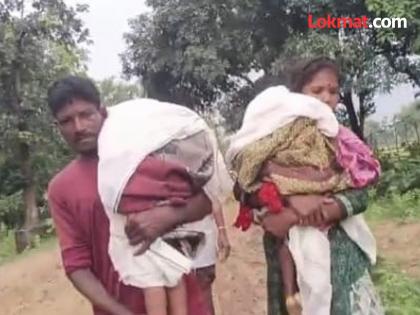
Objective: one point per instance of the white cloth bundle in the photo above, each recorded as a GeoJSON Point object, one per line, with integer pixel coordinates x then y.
{"type": "Point", "coordinates": [133, 130]}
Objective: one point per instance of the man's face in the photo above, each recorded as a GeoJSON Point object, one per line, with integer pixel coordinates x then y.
{"type": "Point", "coordinates": [80, 123]}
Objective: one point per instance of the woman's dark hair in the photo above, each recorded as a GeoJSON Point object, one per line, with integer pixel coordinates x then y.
{"type": "Point", "coordinates": [304, 71]}
{"type": "Point", "coordinates": [64, 91]}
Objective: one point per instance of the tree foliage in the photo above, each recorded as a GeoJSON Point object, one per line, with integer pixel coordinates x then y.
{"type": "Point", "coordinates": [114, 91]}
{"type": "Point", "coordinates": [201, 52]}
{"type": "Point", "coordinates": [40, 41]}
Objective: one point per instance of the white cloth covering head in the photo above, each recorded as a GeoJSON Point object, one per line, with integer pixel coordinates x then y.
{"type": "Point", "coordinates": [274, 108]}
{"type": "Point", "coordinates": [136, 128]}
{"type": "Point", "coordinates": [133, 130]}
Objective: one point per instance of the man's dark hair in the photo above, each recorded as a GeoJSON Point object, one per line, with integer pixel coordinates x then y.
{"type": "Point", "coordinates": [64, 91]}
{"type": "Point", "coordinates": [304, 71]}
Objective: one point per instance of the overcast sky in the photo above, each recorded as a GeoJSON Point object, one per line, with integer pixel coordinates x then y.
{"type": "Point", "coordinates": [107, 22]}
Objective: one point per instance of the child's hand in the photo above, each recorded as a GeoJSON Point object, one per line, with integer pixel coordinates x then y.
{"type": "Point", "coordinates": [223, 244]}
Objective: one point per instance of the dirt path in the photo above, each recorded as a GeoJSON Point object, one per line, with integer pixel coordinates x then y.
{"type": "Point", "coordinates": [35, 285]}
{"type": "Point", "coordinates": [400, 243]}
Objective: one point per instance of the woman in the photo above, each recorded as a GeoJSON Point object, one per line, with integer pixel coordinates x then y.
{"type": "Point", "coordinates": [353, 290]}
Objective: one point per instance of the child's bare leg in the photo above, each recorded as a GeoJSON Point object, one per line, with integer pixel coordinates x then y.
{"type": "Point", "coordinates": [288, 272]}
{"type": "Point", "coordinates": [177, 296]}
{"type": "Point", "coordinates": [156, 301]}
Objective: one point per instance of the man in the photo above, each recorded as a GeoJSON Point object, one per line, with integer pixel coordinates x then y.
{"type": "Point", "coordinates": [81, 223]}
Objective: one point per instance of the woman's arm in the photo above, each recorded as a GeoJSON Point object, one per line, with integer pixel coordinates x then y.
{"type": "Point", "coordinates": [353, 201]}
{"type": "Point", "coordinates": [318, 211]}
{"type": "Point", "coordinates": [343, 205]}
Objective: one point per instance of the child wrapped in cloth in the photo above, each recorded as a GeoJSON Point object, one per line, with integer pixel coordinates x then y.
{"type": "Point", "coordinates": [153, 154]}
{"type": "Point", "coordinates": [291, 144]}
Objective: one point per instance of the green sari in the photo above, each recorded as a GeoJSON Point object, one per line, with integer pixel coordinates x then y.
{"type": "Point", "coordinates": [353, 290]}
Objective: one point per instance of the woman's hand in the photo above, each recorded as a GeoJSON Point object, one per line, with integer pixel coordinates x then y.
{"type": "Point", "coordinates": [332, 212]}
{"type": "Point", "coordinates": [316, 210]}
{"type": "Point", "coordinates": [328, 212]}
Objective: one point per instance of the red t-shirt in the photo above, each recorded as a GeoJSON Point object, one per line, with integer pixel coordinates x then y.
{"type": "Point", "coordinates": [83, 231]}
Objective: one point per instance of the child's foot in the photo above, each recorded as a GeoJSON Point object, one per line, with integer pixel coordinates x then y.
{"type": "Point", "coordinates": [293, 304]}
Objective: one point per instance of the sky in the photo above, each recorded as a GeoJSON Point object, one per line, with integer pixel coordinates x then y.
{"type": "Point", "coordinates": [107, 21]}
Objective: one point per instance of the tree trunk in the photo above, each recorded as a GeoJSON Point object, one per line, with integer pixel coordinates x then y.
{"type": "Point", "coordinates": [31, 223]}
{"type": "Point", "coordinates": [416, 128]}
{"type": "Point", "coordinates": [26, 236]}
{"type": "Point", "coordinates": [354, 123]}
{"type": "Point", "coordinates": [362, 116]}
{"type": "Point", "coordinates": [396, 141]}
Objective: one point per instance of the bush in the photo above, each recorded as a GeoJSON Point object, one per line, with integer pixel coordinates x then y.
{"type": "Point", "coordinates": [11, 210]}
{"type": "Point", "coordinates": [399, 293]}
{"type": "Point", "coordinates": [404, 207]}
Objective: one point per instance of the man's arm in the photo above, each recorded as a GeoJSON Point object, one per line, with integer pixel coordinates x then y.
{"type": "Point", "coordinates": [90, 287]}
{"type": "Point", "coordinates": [76, 257]}
{"type": "Point", "coordinates": [144, 227]}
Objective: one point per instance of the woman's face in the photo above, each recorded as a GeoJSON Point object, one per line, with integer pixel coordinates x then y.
{"type": "Point", "coordinates": [324, 86]}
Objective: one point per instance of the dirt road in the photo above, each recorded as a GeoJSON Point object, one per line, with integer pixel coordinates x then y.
{"type": "Point", "coordinates": [35, 285]}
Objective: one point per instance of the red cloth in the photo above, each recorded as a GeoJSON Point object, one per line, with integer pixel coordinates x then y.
{"type": "Point", "coordinates": [83, 232]}
{"type": "Point", "coordinates": [156, 180]}
{"type": "Point", "coordinates": [268, 196]}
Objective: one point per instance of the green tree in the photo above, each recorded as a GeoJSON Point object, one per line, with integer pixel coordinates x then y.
{"type": "Point", "coordinates": [364, 73]}
{"type": "Point", "coordinates": [195, 51]}
{"type": "Point", "coordinates": [114, 91]}
{"type": "Point", "coordinates": [199, 52]}
{"type": "Point", "coordinates": [399, 45]}
{"type": "Point", "coordinates": [38, 44]}
{"type": "Point", "coordinates": [410, 116]}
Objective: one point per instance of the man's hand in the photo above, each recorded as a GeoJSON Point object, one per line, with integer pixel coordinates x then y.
{"type": "Point", "coordinates": [144, 228]}
{"type": "Point", "coordinates": [89, 286]}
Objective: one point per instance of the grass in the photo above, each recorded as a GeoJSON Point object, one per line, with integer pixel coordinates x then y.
{"type": "Point", "coordinates": [399, 207]}
{"type": "Point", "coordinates": [399, 293]}
{"type": "Point", "coordinates": [7, 247]}
{"type": "Point", "coordinates": [8, 252]}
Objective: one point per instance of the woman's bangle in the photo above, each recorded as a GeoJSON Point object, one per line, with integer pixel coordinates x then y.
{"type": "Point", "coordinates": [222, 227]}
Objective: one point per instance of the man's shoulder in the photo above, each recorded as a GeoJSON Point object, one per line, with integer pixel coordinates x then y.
{"type": "Point", "coordinates": [63, 178]}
